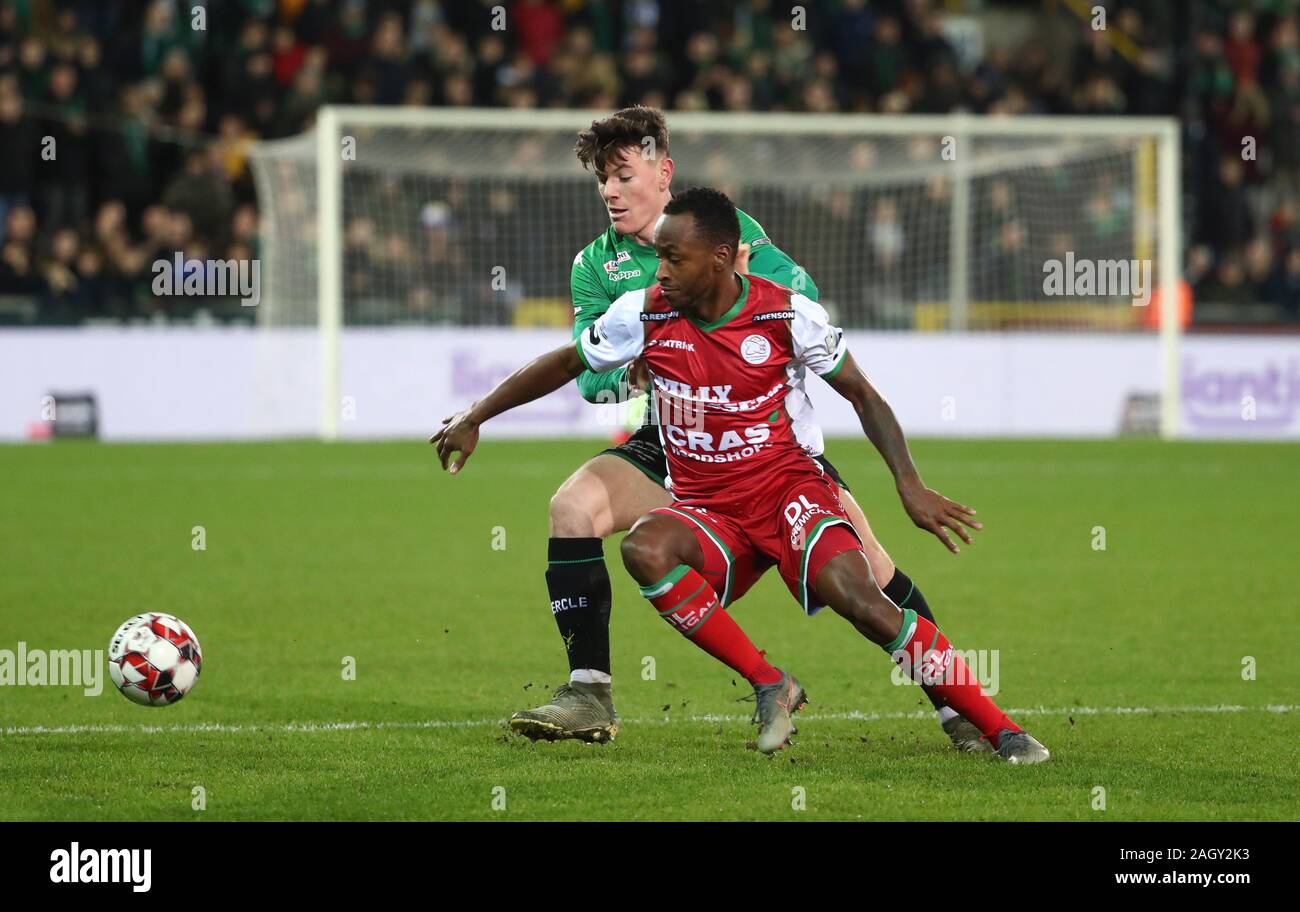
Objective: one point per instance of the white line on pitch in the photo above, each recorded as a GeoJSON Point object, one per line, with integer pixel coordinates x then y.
{"type": "Point", "coordinates": [310, 727]}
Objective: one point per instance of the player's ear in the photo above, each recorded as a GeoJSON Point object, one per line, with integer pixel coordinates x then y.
{"type": "Point", "coordinates": [724, 256]}
{"type": "Point", "coordinates": [666, 171]}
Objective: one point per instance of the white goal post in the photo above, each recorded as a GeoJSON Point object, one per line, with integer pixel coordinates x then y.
{"type": "Point", "coordinates": [948, 223]}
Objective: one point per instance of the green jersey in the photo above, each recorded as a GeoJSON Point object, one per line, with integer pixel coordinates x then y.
{"type": "Point", "coordinates": [614, 264]}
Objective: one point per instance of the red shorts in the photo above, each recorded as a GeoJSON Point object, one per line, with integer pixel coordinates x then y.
{"type": "Point", "coordinates": [798, 526]}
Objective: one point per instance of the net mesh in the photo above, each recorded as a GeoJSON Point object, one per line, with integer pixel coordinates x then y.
{"type": "Point", "coordinates": [475, 226]}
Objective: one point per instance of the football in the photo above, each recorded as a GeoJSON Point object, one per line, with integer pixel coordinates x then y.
{"type": "Point", "coordinates": [154, 659]}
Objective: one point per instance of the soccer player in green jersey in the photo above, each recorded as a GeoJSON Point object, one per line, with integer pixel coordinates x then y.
{"type": "Point", "coordinates": [629, 154]}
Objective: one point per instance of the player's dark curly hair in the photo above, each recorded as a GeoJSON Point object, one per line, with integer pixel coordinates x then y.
{"type": "Point", "coordinates": [715, 214]}
{"type": "Point", "coordinates": [626, 128]}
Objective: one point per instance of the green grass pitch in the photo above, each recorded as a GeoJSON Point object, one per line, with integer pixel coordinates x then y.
{"type": "Point", "coordinates": [1130, 658]}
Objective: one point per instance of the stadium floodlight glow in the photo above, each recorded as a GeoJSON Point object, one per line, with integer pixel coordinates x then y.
{"type": "Point", "coordinates": [945, 223]}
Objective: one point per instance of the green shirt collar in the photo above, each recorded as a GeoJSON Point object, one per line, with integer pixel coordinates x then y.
{"type": "Point", "coordinates": [730, 314]}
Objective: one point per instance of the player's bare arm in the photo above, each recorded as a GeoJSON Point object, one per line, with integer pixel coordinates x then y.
{"type": "Point", "coordinates": [929, 509]}
{"type": "Point", "coordinates": [542, 375]}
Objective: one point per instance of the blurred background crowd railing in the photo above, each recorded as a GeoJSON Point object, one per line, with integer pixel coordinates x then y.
{"type": "Point", "coordinates": [152, 119]}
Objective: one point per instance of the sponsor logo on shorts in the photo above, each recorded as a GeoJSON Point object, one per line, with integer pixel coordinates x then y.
{"type": "Point", "coordinates": [798, 513]}
{"type": "Point", "coordinates": [755, 349]}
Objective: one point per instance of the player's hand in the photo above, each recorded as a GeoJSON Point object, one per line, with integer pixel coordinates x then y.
{"type": "Point", "coordinates": [638, 375]}
{"type": "Point", "coordinates": [742, 259]}
{"type": "Point", "coordinates": [458, 435]}
{"type": "Point", "coordinates": [936, 514]}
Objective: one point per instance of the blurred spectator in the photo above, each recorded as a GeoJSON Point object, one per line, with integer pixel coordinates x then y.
{"type": "Point", "coordinates": [18, 274]}
{"type": "Point", "coordinates": [1241, 50]}
{"type": "Point", "coordinates": [150, 122]}
{"type": "Point", "coordinates": [1283, 288]}
{"type": "Point", "coordinates": [1229, 284]}
{"type": "Point", "coordinates": [1226, 219]}
{"type": "Point", "coordinates": [18, 152]}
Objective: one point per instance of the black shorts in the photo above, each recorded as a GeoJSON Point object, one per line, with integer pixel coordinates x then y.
{"type": "Point", "coordinates": [644, 451]}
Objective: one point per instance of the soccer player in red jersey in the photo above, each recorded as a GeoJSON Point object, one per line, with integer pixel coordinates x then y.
{"type": "Point", "coordinates": [721, 349]}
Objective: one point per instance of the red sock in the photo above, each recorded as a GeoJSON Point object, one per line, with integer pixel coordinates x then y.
{"type": "Point", "coordinates": [929, 659]}
{"type": "Point", "coordinates": [687, 601]}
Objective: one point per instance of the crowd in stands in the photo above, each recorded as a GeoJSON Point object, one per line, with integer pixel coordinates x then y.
{"type": "Point", "coordinates": [150, 111]}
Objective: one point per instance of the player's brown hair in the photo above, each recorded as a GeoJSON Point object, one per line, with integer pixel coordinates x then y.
{"type": "Point", "coordinates": [626, 128]}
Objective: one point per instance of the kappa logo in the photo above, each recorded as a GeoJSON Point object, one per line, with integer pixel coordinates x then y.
{"type": "Point", "coordinates": [755, 349]}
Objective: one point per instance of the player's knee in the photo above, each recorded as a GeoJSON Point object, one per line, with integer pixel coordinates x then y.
{"type": "Point", "coordinates": [636, 554]}
{"type": "Point", "coordinates": [645, 556]}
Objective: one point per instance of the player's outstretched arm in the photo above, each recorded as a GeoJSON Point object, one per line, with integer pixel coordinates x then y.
{"type": "Point", "coordinates": [534, 380]}
{"type": "Point", "coordinates": [929, 509]}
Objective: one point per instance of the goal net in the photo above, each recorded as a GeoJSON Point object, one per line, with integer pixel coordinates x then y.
{"type": "Point", "coordinates": [465, 217]}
